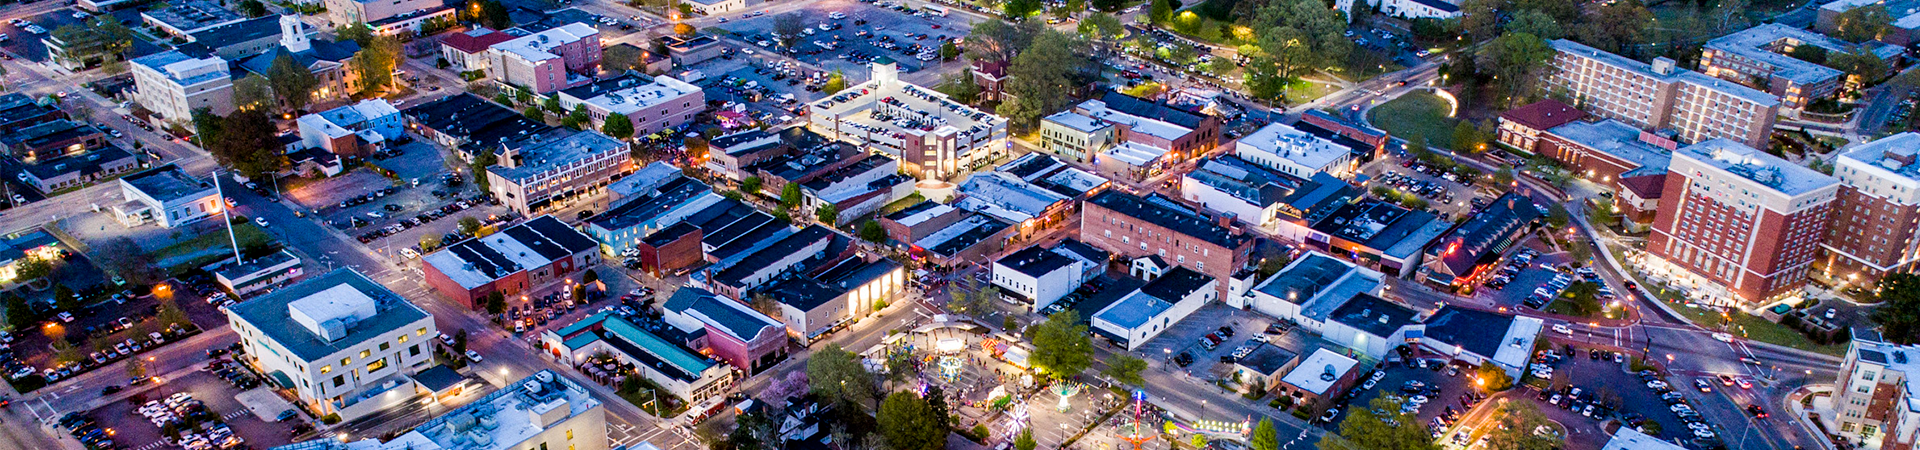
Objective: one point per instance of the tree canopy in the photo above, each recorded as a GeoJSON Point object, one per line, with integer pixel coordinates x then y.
{"type": "Point", "coordinates": [1379, 426]}
{"type": "Point", "coordinates": [1054, 64]}
{"type": "Point", "coordinates": [838, 374]}
{"type": "Point", "coordinates": [1061, 344]}
{"type": "Point", "coordinates": [291, 82]}
{"type": "Point", "coordinates": [1899, 311]}
{"type": "Point", "coordinates": [909, 422]}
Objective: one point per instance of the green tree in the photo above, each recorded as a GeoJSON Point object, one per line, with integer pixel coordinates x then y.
{"type": "Point", "coordinates": [972, 300]}
{"type": "Point", "coordinates": [1809, 53]}
{"type": "Point", "coordinates": [787, 28]}
{"type": "Point", "coordinates": [1536, 23]}
{"type": "Point", "coordinates": [469, 225]}
{"type": "Point", "coordinates": [790, 196]}
{"type": "Point", "coordinates": [1504, 176]}
{"type": "Point", "coordinates": [1102, 26]}
{"type": "Point", "coordinates": [1516, 430]}
{"type": "Point", "coordinates": [428, 242]}
{"type": "Point", "coordinates": [533, 113]}
{"type": "Point", "coordinates": [1858, 61]}
{"type": "Point", "coordinates": [839, 375]}
{"type": "Point", "coordinates": [1264, 437]}
{"type": "Point", "coordinates": [620, 58]}
{"type": "Point", "coordinates": [1025, 440]}
{"type": "Point", "coordinates": [291, 82]}
{"type": "Point", "coordinates": [835, 83]}
{"type": "Point", "coordinates": [247, 143]}
{"type": "Point", "coordinates": [252, 91]}
{"type": "Point", "coordinates": [1557, 217]}
{"type": "Point", "coordinates": [1126, 369]}
{"type": "Point", "coordinates": [1386, 429]}
{"type": "Point", "coordinates": [18, 315]}
{"type": "Point", "coordinates": [907, 422]}
{"type": "Point", "coordinates": [997, 40]}
{"type": "Point", "coordinates": [1515, 60]}
{"type": "Point", "coordinates": [496, 303]}
{"type": "Point", "coordinates": [871, 231]}
{"type": "Point", "coordinates": [253, 8]}
{"type": "Point", "coordinates": [1899, 311]}
{"type": "Point", "coordinates": [32, 269]}
{"type": "Point", "coordinates": [751, 184]}
{"type": "Point", "coordinates": [1493, 378]}
{"type": "Point", "coordinates": [1161, 11]}
{"type": "Point", "coordinates": [121, 256]}
{"type": "Point", "coordinates": [1021, 9]}
{"type": "Point", "coordinates": [65, 299]}
{"type": "Point", "coordinates": [1061, 345]}
{"type": "Point", "coordinates": [828, 214]}
{"type": "Point", "coordinates": [949, 51]}
{"type": "Point", "coordinates": [579, 118]}
{"type": "Point", "coordinates": [495, 15]}
{"type": "Point", "coordinates": [618, 126]}
{"type": "Point", "coordinates": [959, 87]}
{"type": "Point", "coordinates": [1862, 24]}
{"type": "Point", "coordinates": [1467, 139]}
{"type": "Point", "coordinates": [1616, 26]}
{"type": "Point", "coordinates": [1039, 75]}
{"type": "Point", "coordinates": [1108, 6]}
{"type": "Point", "coordinates": [136, 368]}
{"type": "Point", "coordinates": [376, 62]}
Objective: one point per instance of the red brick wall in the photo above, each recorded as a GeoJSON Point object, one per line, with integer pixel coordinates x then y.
{"type": "Point", "coordinates": [1868, 228]}
{"type": "Point", "coordinates": [674, 255]}
{"type": "Point", "coordinates": [446, 287]}
{"type": "Point", "coordinates": [1127, 234]}
{"type": "Point", "coordinates": [1713, 247]}
{"type": "Point", "coordinates": [1582, 159]}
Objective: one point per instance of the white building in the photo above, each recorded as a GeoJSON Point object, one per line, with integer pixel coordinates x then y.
{"type": "Point", "coordinates": [1309, 289]}
{"type": "Point", "coordinates": [1038, 276]}
{"type": "Point", "coordinates": [355, 130]}
{"type": "Point", "coordinates": [664, 103]}
{"type": "Point", "coordinates": [1293, 152]}
{"type": "Point", "coordinates": [172, 84]}
{"type": "Point", "coordinates": [932, 135]}
{"type": "Point", "coordinates": [712, 7]}
{"type": "Point", "coordinates": [1627, 438]}
{"type": "Point", "coordinates": [1408, 9]}
{"type": "Point", "coordinates": [258, 273]}
{"type": "Point", "coordinates": [343, 343]}
{"type": "Point", "coordinates": [1480, 337]}
{"type": "Point", "coordinates": [165, 195]}
{"type": "Point", "coordinates": [1150, 310]}
{"type": "Point", "coordinates": [1370, 325]}
{"type": "Point", "coordinates": [542, 411]}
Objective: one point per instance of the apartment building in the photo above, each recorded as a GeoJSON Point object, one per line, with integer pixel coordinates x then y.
{"type": "Point", "coordinates": [1758, 56]}
{"type": "Point", "coordinates": [1074, 136]}
{"type": "Point", "coordinates": [1872, 396]}
{"type": "Point", "coordinates": [1741, 219]}
{"type": "Point", "coordinates": [539, 177]}
{"type": "Point", "coordinates": [341, 342]}
{"type": "Point", "coordinates": [1154, 124]}
{"type": "Point", "coordinates": [1697, 107]}
{"type": "Point", "coordinates": [172, 84]}
{"type": "Point", "coordinates": [1877, 215]}
{"type": "Point", "coordinates": [353, 130]}
{"type": "Point", "coordinates": [1130, 226]}
{"type": "Point", "coordinates": [467, 50]}
{"type": "Point", "coordinates": [547, 61]}
{"type": "Point", "coordinates": [652, 106]}
{"type": "Point", "coordinates": [932, 135]}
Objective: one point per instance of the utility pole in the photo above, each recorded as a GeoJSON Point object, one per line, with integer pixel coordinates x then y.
{"type": "Point", "coordinates": [226, 215]}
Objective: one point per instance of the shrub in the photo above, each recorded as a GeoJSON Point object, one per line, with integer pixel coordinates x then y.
{"type": "Point", "coordinates": [330, 419]}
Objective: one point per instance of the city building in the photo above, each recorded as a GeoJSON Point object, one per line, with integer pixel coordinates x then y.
{"type": "Point", "coordinates": [240, 39]}
{"type": "Point", "coordinates": [1257, 195]}
{"type": "Point", "coordinates": [1295, 153]}
{"type": "Point", "coordinates": [1407, 9]}
{"type": "Point", "coordinates": [329, 61]}
{"type": "Point", "coordinates": [1013, 200]}
{"type": "Point", "coordinates": [1370, 325]}
{"type": "Point", "coordinates": [18, 111]}
{"type": "Point", "coordinates": [342, 13]}
{"type": "Point", "coordinates": [356, 130]}
{"type": "Point", "coordinates": [1758, 56]}
{"type": "Point", "coordinates": [469, 124]}
{"type": "Point", "coordinates": [727, 225]}
{"type": "Point", "coordinates": [1037, 276]}
{"type": "Point", "coordinates": [183, 18]}
{"type": "Point", "coordinates": [1458, 258]}
{"type": "Point", "coordinates": [736, 155]}
{"type": "Point", "coordinates": [621, 229]}
{"type": "Point", "coordinates": [1904, 29]}
{"type": "Point", "coordinates": [547, 61]}
{"type": "Point", "coordinates": [1314, 120]}
{"type": "Point", "coordinates": [31, 244]}
{"type": "Point", "coordinates": [52, 139]}
{"type": "Point", "coordinates": [1638, 199]}
{"type": "Point", "coordinates": [529, 178]}
{"type": "Point", "coordinates": [690, 50]}
{"type": "Point", "coordinates": [167, 196]}
{"type": "Point", "coordinates": [712, 7]}
{"type": "Point", "coordinates": [1872, 398]}
{"type": "Point", "coordinates": [518, 259]}
{"type": "Point", "coordinates": [810, 248]}
{"type": "Point", "coordinates": [1309, 289]}
{"type": "Point", "coordinates": [1183, 133]}
{"type": "Point", "coordinates": [1319, 379]}
{"type": "Point", "coordinates": [916, 222]}
{"type": "Point", "coordinates": [973, 238]}
{"type": "Point", "coordinates": [931, 135]}
{"type": "Point", "coordinates": [1607, 150]}
{"type": "Point", "coordinates": [727, 329]}
{"type": "Point", "coordinates": [1742, 221]}
{"type": "Point", "coordinates": [1150, 310]}
{"type": "Point", "coordinates": [1480, 337]}
{"type": "Point", "coordinates": [855, 188]}
{"type": "Point", "coordinates": [171, 84]}
{"type": "Point", "coordinates": [297, 335]}
{"type": "Point", "coordinates": [1627, 438]}
{"type": "Point", "coordinates": [1373, 233]}
{"type": "Point", "coordinates": [652, 106]}
{"type": "Point", "coordinates": [678, 371]}
{"type": "Point", "coordinates": [1657, 96]}
{"type": "Point", "coordinates": [827, 297]}
{"type": "Point", "coordinates": [1265, 366]}
{"type": "Point", "coordinates": [1521, 127]}
{"type": "Point", "coordinates": [466, 51]}
{"type": "Point", "coordinates": [543, 410]}
{"type": "Point", "coordinates": [1046, 172]}
{"type": "Point", "coordinates": [1130, 226]}
{"type": "Point", "coordinates": [1075, 136]}
{"type": "Point", "coordinates": [77, 169]}
{"type": "Point", "coordinates": [1876, 217]}
{"type": "Point", "coordinates": [259, 273]}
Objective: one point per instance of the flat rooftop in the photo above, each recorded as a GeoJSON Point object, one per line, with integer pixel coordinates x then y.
{"type": "Point", "coordinates": [1617, 139]}
{"type": "Point", "coordinates": [560, 153]}
{"type": "Point", "coordinates": [1894, 154]}
{"type": "Point", "coordinates": [1758, 166]}
{"type": "Point", "coordinates": [1154, 298]}
{"type": "Point", "coordinates": [168, 183]}
{"type": "Point", "coordinates": [273, 313]}
{"type": "Point", "coordinates": [507, 417]}
{"type": "Point", "coordinates": [1291, 144]}
{"type": "Point", "coordinates": [1320, 371]}
{"type": "Point", "coordinates": [1741, 91]}
{"type": "Point", "coordinates": [539, 46]}
{"type": "Point", "coordinates": [1180, 221]}
{"type": "Point", "coordinates": [1758, 43]}
{"type": "Point", "coordinates": [894, 106]}
{"type": "Point", "coordinates": [193, 15]}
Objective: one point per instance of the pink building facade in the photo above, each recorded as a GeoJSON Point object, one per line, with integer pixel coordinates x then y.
{"type": "Point", "coordinates": [547, 61]}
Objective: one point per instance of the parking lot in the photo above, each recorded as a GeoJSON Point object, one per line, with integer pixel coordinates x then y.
{"type": "Point", "coordinates": [1433, 390]}
{"type": "Point", "coordinates": [856, 33]}
{"type": "Point", "coordinates": [1405, 176]}
{"type": "Point", "coordinates": [1183, 341]}
{"type": "Point", "coordinates": [1615, 391]}
{"type": "Point", "coordinates": [105, 333]}
{"type": "Point", "coordinates": [215, 404]}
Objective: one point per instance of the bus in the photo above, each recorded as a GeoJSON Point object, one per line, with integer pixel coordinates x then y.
{"type": "Point", "coordinates": [935, 10]}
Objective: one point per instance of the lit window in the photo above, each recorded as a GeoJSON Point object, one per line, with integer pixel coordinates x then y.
{"type": "Point", "coordinates": [365, 353]}
{"type": "Point", "coordinates": [325, 369]}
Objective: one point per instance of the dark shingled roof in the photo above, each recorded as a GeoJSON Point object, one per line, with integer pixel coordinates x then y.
{"type": "Point", "coordinates": [734, 321]}
{"type": "Point", "coordinates": [1544, 114]}
{"type": "Point", "coordinates": [1176, 284]}
{"type": "Point", "coordinates": [1473, 330]}
{"type": "Point", "coordinates": [1485, 234]}
{"type": "Point", "coordinates": [478, 120]}
{"type": "Point", "coordinates": [1646, 186]}
{"type": "Point", "coordinates": [1137, 106]}
{"type": "Point", "coordinates": [1175, 220]}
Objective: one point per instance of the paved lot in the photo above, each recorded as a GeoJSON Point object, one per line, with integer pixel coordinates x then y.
{"type": "Point", "coordinates": [1527, 279]}
{"type": "Point", "coordinates": [1185, 336]}
{"type": "Point", "coordinates": [901, 28]}
{"type": "Point", "coordinates": [133, 431]}
{"type": "Point", "coordinates": [93, 329]}
{"type": "Point", "coordinates": [1390, 166]}
{"type": "Point", "coordinates": [1399, 375]}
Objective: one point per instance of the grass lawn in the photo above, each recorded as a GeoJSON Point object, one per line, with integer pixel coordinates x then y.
{"type": "Point", "coordinates": [1304, 91]}
{"type": "Point", "coordinates": [248, 234]}
{"type": "Point", "coordinates": [1417, 114]}
{"type": "Point", "coordinates": [1743, 324]}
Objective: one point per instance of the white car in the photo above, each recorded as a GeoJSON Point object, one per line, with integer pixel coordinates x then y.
{"type": "Point", "coordinates": [1723, 337]}
{"type": "Point", "coordinates": [1562, 329]}
{"type": "Point", "coordinates": [260, 220]}
{"type": "Point", "coordinates": [473, 355]}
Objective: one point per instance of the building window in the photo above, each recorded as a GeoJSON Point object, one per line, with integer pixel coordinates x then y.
{"type": "Point", "coordinates": [376, 365]}
{"type": "Point", "coordinates": [414, 350]}
{"type": "Point", "coordinates": [346, 361]}
{"type": "Point", "coordinates": [365, 353]}
{"type": "Point", "coordinates": [325, 369]}
{"type": "Point", "coordinates": [420, 332]}
{"type": "Point", "coordinates": [339, 380]}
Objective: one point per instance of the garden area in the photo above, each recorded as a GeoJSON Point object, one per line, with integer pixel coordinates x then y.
{"type": "Point", "coordinates": [1418, 117]}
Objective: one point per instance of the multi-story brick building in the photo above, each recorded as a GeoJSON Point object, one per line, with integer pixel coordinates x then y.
{"type": "Point", "coordinates": [1871, 393]}
{"type": "Point", "coordinates": [1520, 128]}
{"type": "Point", "coordinates": [1878, 213]}
{"type": "Point", "coordinates": [1154, 124]}
{"type": "Point", "coordinates": [1130, 226]}
{"type": "Point", "coordinates": [1655, 96]}
{"type": "Point", "coordinates": [1606, 150]}
{"type": "Point", "coordinates": [1758, 56]}
{"type": "Point", "coordinates": [531, 178]}
{"type": "Point", "coordinates": [547, 61]}
{"type": "Point", "coordinates": [518, 259]}
{"type": "Point", "coordinates": [1741, 219]}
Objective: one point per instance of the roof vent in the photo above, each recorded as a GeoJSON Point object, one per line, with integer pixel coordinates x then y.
{"type": "Point", "coordinates": [1327, 374]}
